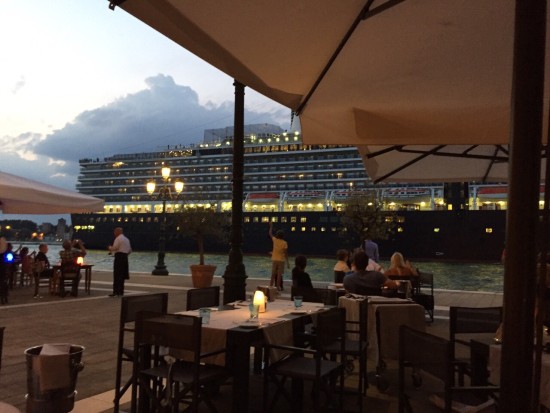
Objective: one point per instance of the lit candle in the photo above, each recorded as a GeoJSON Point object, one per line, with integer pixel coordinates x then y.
{"type": "Point", "coordinates": [259, 300]}
{"type": "Point", "coordinates": [80, 260]}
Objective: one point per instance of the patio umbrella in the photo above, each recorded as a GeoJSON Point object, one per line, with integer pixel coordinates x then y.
{"type": "Point", "coordinates": [439, 163]}
{"type": "Point", "coordinates": [24, 196]}
{"type": "Point", "coordinates": [360, 71]}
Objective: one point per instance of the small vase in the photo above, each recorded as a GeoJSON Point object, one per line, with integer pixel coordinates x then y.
{"type": "Point", "coordinates": [202, 275]}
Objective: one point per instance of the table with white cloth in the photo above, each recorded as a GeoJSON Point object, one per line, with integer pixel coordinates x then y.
{"type": "Point", "coordinates": [231, 328]}
{"type": "Point", "coordinates": [402, 311]}
{"type": "Point", "coordinates": [494, 373]}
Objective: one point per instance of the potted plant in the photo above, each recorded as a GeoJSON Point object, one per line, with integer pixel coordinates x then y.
{"type": "Point", "coordinates": [202, 223]}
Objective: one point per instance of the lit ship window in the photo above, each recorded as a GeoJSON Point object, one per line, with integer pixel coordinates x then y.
{"type": "Point", "coordinates": [303, 219]}
{"type": "Point", "coordinates": [313, 229]}
{"type": "Point", "coordinates": [246, 219]}
{"type": "Point", "coordinates": [293, 219]}
{"type": "Point", "coordinates": [292, 229]}
{"type": "Point", "coordinates": [400, 229]}
{"type": "Point", "coordinates": [436, 229]}
{"type": "Point", "coordinates": [323, 229]}
{"type": "Point", "coordinates": [489, 230]}
{"type": "Point", "coordinates": [284, 219]}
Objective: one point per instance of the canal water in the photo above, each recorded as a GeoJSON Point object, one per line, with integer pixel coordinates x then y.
{"type": "Point", "coordinates": [452, 276]}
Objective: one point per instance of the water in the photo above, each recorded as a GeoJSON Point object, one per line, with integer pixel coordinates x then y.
{"type": "Point", "coordinates": [452, 276]}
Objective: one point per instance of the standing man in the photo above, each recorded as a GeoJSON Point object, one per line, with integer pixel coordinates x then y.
{"type": "Point", "coordinates": [121, 248]}
{"type": "Point", "coordinates": [371, 249]}
{"type": "Point", "coordinates": [279, 256]}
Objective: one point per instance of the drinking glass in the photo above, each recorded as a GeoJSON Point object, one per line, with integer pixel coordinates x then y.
{"type": "Point", "coordinates": [254, 309]}
{"type": "Point", "coordinates": [204, 314]}
{"type": "Point", "coordinates": [298, 301]}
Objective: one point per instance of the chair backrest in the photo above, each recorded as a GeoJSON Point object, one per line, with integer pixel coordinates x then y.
{"type": "Point", "coordinates": [473, 320]}
{"type": "Point", "coordinates": [309, 294]}
{"type": "Point", "coordinates": [357, 328]}
{"type": "Point", "coordinates": [369, 291]}
{"type": "Point", "coordinates": [203, 297]}
{"type": "Point", "coordinates": [331, 328]}
{"type": "Point", "coordinates": [425, 281]}
{"type": "Point", "coordinates": [175, 331]}
{"type": "Point", "coordinates": [427, 352]}
{"type": "Point", "coordinates": [131, 305]}
{"type": "Point", "coordinates": [339, 276]}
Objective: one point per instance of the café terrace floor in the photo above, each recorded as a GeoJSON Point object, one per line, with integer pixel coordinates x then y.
{"type": "Point", "coordinates": [92, 321]}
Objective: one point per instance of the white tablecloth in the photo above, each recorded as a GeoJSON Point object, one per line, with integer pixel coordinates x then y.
{"type": "Point", "coordinates": [399, 311]}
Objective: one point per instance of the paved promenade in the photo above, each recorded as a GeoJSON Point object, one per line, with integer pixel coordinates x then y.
{"type": "Point", "coordinates": [92, 321]}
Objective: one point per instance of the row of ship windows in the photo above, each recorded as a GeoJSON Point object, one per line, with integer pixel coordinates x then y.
{"type": "Point", "coordinates": [226, 178]}
{"type": "Point", "coordinates": [228, 158]}
{"type": "Point", "coordinates": [225, 188]}
{"type": "Point", "coordinates": [218, 170]}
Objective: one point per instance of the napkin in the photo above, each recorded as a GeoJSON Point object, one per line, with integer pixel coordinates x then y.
{"type": "Point", "coordinates": [52, 366]}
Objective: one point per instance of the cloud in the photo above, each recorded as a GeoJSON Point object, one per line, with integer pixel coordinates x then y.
{"type": "Point", "coordinates": [164, 113]}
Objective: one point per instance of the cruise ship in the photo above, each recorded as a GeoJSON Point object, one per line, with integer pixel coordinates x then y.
{"type": "Point", "coordinates": [300, 188]}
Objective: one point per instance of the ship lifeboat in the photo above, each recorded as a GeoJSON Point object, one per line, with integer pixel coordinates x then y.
{"type": "Point", "coordinates": [305, 195]}
{"type": "Point", "coordinates": [263, 197]}
{"type": "Point", "coordinates": [407, 192]}
{"type": "Point", "coordinates": [497, 192]}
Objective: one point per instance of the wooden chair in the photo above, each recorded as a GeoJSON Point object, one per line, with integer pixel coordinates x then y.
{"type": "Point", "coordinates": [69, 277]}
{"type": "Point", "coordinates": [466, 321]}
{"type": "Point", "coordinates": [308, 364]}
{"type": "Point", "coordinates": [166, 382]}
{"type": "Point", "coordinates": [130, 306]}
{"type": "Point", "coordinates": [41, 278]}
{"type": "Point", "coordinates": [426, 353]}
{"type": "Point", "coordinates": [203, 297]}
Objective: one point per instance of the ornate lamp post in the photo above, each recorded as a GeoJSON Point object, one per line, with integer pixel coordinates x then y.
{"type": "Point", "coordinates": [164, 194]}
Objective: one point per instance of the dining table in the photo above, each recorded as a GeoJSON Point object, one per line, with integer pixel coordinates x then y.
{"type": "Point", "coordinates": [231, 325]}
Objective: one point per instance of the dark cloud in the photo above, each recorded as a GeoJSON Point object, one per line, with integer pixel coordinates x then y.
{"type": "Point", "coordinates": [162, 114]}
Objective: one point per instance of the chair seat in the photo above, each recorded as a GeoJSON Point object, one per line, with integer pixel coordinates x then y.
{"type": "Point", "coordinates": [182, 372]}
{"type": "Point", "coordinates": [303, 367]}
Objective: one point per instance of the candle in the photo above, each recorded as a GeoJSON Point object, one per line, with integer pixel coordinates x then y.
{"type": "Point", "coordinates": [80, 260]}
{"type": "Point", "coordinates": [259, 300]}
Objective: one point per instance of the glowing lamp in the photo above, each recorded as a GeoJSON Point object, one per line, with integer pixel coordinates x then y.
{"type": "Point", "coordinates": [259, 300]}
{"type": "Point", "coordinates": [178, 186]}
{"type": "Point", "coordinates": [8, 257]}
{"type": "Point", "coordinates": [151, 187]}
{"type": "Point", "coordinates": [165, 172]}
{"type": "Point", "coordinates": [80, 260]}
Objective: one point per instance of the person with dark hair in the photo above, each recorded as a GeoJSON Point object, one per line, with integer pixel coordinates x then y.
{"type": "Point", "coordinates": [365, 282]}
{"type": "Point", "coordinates": [279, 256]}
{"type": "Point", "coordinates": [342, 264]}
{"type": "Point", "coordinates": [300, 278]}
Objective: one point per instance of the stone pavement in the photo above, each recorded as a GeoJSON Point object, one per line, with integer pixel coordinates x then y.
{"type": "Point", "coordinates": [92, 321]}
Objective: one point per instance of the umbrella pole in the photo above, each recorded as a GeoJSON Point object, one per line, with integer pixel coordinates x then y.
{"type": "Point", "coordinates": [235, 274]}
{"type": "Point", "coordinates": [523, 210]}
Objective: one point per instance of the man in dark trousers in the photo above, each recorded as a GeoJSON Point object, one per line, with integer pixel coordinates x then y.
{"type": "Point", "coordinates": [121, 249]}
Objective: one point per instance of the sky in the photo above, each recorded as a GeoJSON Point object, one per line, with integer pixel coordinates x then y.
{"type": "Point", "coordinates": [78, 80]}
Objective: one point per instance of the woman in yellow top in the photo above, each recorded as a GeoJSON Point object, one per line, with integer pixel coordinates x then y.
{"type": "Point", "coordinates": [279, 256]}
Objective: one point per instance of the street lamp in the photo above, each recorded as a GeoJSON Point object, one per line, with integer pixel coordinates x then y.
{"type": "Point", "coordinates": [164, 194]}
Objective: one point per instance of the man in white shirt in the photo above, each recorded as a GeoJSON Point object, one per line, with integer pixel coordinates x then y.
{"type": "Point", "coordinates": [121, 248]}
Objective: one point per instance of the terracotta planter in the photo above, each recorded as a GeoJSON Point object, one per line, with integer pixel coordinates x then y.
{"type": "Point", "coordinates": [202, 275]}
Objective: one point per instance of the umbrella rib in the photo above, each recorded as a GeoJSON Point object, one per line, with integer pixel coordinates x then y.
{"type": "Point", "coordinates": [363, 14]}
{"type": "Point", "coordinates": [492, 161]}
{"type": "Point", "coordinates": [411, 162]}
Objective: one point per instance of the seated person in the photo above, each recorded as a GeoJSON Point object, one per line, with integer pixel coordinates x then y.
{"type": "Point", "coordinates": [69, 254]}
{"type": "Point", "coordinates": [42, 267]}
{"type": "Point", "coordinates": [372, 265]}
{"type": "Point", "coordinates": [398, 266]}
{"type": "Point", "coordinates": [341, 267]}
{"type": "Point", "coordinates": [300, 278]}
{"type": "Point", "coordinates": [366, 282]}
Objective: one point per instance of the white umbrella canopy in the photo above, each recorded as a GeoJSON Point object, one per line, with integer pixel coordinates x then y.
{"type": "Point", "coordinates": [439, 163]}
{"type": "Point", "coordinates": [24, 196]}
{"type": "Point", "coordinates": [410, 72]}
